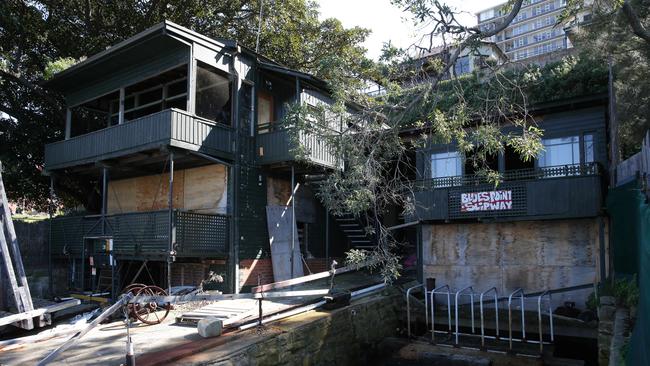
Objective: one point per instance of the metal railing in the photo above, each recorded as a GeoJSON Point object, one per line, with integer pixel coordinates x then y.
{"type": "Point", "coordinates": [539, 318]}
{"type": "Point", "coordinates": [432, 302]}
{"type": "Point", "coordinates": [454, 332]}
{"type": "Point", "coordinates": [471, 299]}
{"type": "Point", "coordinates": [562, 171]}
{"type": "Point", "coordinates": [408, 307]}
{"type": "Point", "coordinates": [496, 314]}
{"type": "Point", "coordinates": [523, 322]}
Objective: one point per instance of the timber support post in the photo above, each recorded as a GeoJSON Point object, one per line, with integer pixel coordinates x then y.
{"type": "Point", "coordinates": [172, 230]}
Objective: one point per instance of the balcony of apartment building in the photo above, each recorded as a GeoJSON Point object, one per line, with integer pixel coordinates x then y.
{"type": "Point", "coordinates": [279, 143]}
{"type": "Point", "coordinates": [530, 40]}
{"type": "Point", "coordinates": [564, 182]}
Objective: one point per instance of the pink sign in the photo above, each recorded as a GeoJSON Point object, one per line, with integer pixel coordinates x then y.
{"type": "Point", "coordinates": [486, 201]}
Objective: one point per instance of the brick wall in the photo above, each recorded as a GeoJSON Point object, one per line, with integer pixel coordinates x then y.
{"type": "Point", "coordinates": [249, 269]}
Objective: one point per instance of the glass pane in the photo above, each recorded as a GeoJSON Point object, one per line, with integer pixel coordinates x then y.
{"type": "Point", "coordinates": [589, 148]}
{"type": "Point", "coordinates": [560, 151]}
{"type": "Point", "coordinates": [212, 95]}
{"type": "Point", "coordinates": [177, 88]}
{"type": "Point", "coordinates": [150, 96]}
{"type": "Point", "coordinates": [445, 165]}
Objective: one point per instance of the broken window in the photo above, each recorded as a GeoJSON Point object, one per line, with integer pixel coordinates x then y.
{"type": "Point", "coordinates": [93, 115]}
{"type": "Point", "coordinates": [213, 94]}
{"type": "Point", "coordinates": [264, 111]}
{"type": "Point", "coordinates": [164, 91]}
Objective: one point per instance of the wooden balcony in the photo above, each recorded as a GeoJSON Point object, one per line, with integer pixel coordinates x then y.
{"type": "Point", "coordinates": [571, 191]}
{"type": "Point", "coordinates": [275, 144]}
{"type": "Point", "coordinates": [171, 127]}
{"type": "Point", "coordinates": [145, 234]}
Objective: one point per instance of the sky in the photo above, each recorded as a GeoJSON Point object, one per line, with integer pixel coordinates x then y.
{"type": "Point", "coordinates": [387, 22]}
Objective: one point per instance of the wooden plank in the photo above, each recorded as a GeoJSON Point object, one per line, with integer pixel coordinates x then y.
{"type": "Point", "coordinates": [303, 279]}
{"type": "Point", "coordinates": [108, 312]}
{"type": "Point", "coordinates": [29, 315]}
{"type": "Point", "coordinates": [15, 249]}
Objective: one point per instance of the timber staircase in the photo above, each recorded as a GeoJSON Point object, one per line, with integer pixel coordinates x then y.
{"type": "Point", "coordinates": [355, 231]}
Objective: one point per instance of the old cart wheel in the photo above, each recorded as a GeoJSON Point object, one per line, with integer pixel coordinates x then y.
{"type": "Point", "coordinates": [151, 313]}
{"type": "Point", "coordinates": [133, 288]}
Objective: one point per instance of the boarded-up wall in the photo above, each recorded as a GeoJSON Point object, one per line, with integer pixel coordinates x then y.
{"type": "Point", "coordinates": [202, 189]}
{"type": "Point", "coordinates": [533, 255]}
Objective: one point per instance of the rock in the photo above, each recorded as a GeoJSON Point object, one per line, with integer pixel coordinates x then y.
{"type": "Point", "coordinates": [210, 327]}
{"type": "Point", "coordinates": [606, 312]}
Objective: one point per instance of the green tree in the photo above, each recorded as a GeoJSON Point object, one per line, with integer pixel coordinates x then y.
{"type": "Point", "coordinates": [617, 33]}
{"type": "Point", "coordinates": [38, 38]}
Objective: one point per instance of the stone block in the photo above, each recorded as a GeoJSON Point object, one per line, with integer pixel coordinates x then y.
{"type": "Point", "coordinates": [605, 327]}
{"type": "Point", "coordinates": [606, 312]}
{"type": "Point", "coordinates": [210, 327]}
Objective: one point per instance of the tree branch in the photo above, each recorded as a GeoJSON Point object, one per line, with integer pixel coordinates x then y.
{"type": "Point", "coordinates": [36, 88]}
{"type": "Point", "coordinates": [635, 23]}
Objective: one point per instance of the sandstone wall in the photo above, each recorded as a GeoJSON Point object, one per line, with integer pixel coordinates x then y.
{"type": "Point", "coordinates": [346, 336]}
{"type": "Point", "coordinates": [533, 255]}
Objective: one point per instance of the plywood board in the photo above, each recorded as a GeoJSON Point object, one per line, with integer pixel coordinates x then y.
{"type": "Point", "coordinates": [202, 190]}
{"type": "Point", "coordinates": [280, 222]}
{"type": "Point", "coordinates": [206, 189]}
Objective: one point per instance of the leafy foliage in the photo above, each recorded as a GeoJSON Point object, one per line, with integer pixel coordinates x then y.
{"type": "Point", "coordinates": [609, 37]}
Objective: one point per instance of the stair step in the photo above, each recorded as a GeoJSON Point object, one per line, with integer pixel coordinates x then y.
{"type": "Point", "coordinates": [345, 219]}
{"type": "Point", "coordinates": [348, 225]}
{"type": "Point", "coordinates": [352, 230]}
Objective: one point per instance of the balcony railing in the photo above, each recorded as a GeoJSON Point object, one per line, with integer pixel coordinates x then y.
{"type": "Point", "coordinates": [171, 127]}
{"type": "Point", "coordinates": [590, 169]}
{"type": "Point", "coordinates": [145, 234]}
{"type": "Point", "coordinates": [549, 192]}
{"type": "Point", "coordinates": [276, 144]}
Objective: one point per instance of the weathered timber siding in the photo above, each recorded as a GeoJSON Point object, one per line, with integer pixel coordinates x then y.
{"type": "Point", "coordinates": [163, 54]}
{"type": "Point", "coordinates": [201, 190]}
{"type": "Point", "coordinates": [549, 198]}
{"type": "Point", "coordinates": [277, 147]}
{"type": "Point", "coordinates": [533, 255]}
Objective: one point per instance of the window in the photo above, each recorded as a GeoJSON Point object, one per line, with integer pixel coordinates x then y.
{"type": "Point", "coordinates": [264, 111]}
{"type": "Point", "coordinates": [588, 148]}
{"type": "Point", "coordinates": [212, 94]}
{"type": "Point", "coordinates": [446, 164]}
{"type": "Point", "coordinates": [560, 151]}
{"type": "Point", "coordinates": [462, 66]}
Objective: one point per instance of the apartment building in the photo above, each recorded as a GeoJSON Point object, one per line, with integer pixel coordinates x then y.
{"type": "Point", "coordinates": [535, 32]}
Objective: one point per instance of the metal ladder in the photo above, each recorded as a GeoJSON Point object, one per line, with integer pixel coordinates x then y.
{"type": "Point", "coordinates": [12, 261]}
{"type": "Point", "coordinates": [492, 294]}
